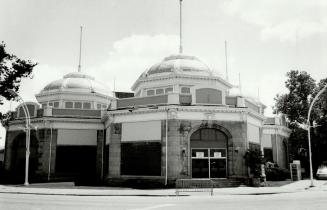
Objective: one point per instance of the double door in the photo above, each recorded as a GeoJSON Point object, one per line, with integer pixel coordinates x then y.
{"type": "Point", "coordinates": [209, 163]}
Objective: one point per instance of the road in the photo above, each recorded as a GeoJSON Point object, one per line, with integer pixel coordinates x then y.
{"type": "Point", "coordinates": [300, 200]}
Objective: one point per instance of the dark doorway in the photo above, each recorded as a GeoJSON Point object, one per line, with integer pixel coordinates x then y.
{"type": "Point", "coordinates": [18, 158]}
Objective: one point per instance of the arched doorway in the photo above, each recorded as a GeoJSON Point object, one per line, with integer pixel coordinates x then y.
{"type": "Point", "coordinates": [18, 157]}
{"type": "Point", "coordinates": [209, 153]}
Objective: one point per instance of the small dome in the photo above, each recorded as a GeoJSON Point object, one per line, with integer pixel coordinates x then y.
{"type": "Point", "coordinates": [179, 64]}
{"type": "Point", "coordinates": [77, 82]}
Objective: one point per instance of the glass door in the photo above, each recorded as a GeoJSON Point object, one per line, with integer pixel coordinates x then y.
{"type": "Point", "coordinates": [209, 163]}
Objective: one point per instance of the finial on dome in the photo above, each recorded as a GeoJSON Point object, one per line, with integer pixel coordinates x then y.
{"type": "Point", "coordinates": [180, 27]}
{"type": "Point", "coordinates": [80, 50]}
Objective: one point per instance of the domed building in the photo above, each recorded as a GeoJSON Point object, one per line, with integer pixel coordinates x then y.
{"type": "Point", "coordinates": [181, 124]}
{"type": "Point", "coordinates": [66, 124]}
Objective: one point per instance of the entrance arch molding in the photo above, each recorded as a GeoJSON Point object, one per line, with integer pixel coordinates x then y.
{"type": "Point", "coordinates": [209, 125]}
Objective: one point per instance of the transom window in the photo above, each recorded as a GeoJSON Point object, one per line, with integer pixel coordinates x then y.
{"type": "Point", "coordinates": [68, 104]}
{"type": "Point", "coordinates": [159, 91]}
{"type": "Point", "coordinates": [78, 105]}
{"type": "Point", "coordinates": [86, 105]}
{"type": "Point", "coordinates": [185, 90]}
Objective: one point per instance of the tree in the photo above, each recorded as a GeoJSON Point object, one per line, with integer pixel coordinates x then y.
{"type": "Point", "coordinates": [12, 70]}
{"type": "Point", "coordinates": [295, 105]}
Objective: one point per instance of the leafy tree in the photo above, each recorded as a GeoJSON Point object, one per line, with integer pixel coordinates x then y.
{"type": "Point", "coordinates": [295, 105]}
{"type": "Point", "coordinates": [12, 70]}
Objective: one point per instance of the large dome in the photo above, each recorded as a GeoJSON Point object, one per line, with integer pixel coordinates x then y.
{"type": "Point", "coordinates": [77, 82]}
{"type": "Point", "coordinates": [179, 64]}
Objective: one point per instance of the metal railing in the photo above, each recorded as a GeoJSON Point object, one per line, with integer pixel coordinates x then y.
{"type": "Point", "coordinates": [194, 185]}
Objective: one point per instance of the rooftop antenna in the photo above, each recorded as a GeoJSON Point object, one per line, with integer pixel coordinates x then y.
{"type": "Point", "coordinates": [114, 84]}
{"type": "Point", "coordinates": [226, 60]}
{"type": "Point", "coordinates": [80, 50]}
{"type": "Point", "coordinates": [239, 83]}
{"type": "Point", "coordinates": [180, 27]}
{"type": "Point", "coordinates": [258, 93]}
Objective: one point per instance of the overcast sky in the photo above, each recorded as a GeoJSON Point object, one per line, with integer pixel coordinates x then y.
{"type": "Point", "coordinates": [121, 39]}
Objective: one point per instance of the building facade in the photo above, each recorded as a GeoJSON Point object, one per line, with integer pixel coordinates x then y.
{"type": "Point", "coordinates": [181, 123]}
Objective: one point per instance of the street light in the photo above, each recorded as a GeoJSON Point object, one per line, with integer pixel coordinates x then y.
{"type": "Point", "coordinates": [309, 138]}
{"type": "Point", "coordinates": [28, 132]}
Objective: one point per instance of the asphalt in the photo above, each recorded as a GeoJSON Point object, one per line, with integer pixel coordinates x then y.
{"type": "Point", "coordinates": [70, 189]}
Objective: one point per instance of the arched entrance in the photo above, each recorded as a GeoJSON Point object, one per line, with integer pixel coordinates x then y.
{"type": "Point", "coordinates": [209, 153]}
{"type": "Point", "coordinates": [18, 157]}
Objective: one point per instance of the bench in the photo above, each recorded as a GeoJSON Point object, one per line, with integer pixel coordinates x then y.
{"type": "Point", "coordinates": [194, 185]}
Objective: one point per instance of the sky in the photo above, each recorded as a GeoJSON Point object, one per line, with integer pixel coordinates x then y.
{"type": "Point", "coordinates": [121, 39]}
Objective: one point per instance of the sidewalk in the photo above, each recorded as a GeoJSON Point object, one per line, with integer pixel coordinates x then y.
{"type": "Point", "coordinates": [62, 189]}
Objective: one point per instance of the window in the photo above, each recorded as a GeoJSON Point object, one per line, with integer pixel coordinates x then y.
{"type": "Point", "coordinates": [44, 106]}
{"type": "Point", "coordinates": [104, 106]}
{"type": "Point", "coordinates": [150, 93]}
{"type": "Point", "coordinates": [56, 104]}
{"type": "Point", "coordinates": [141, 158]}
{"type": "Point", "coordinates": [86, 105]}
{"type": "Point", "coordinates": [51, 104]}
{"type": "Point", "coordinates": [159, 91]}
{"type": "Point", "coordinates": [169, 90]}
{"type": "Point", "coordinates": [78, 105]}
{"type": "Point", "coordinates": [185, 90]}
{"type": "Point", "coordinates": [69, 105]}
{"type": "Point", "coordinates": [268, 154]}
{"type": "Point", "coordinates": [98, 106]}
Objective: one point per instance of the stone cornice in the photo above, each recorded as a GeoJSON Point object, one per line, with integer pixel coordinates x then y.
{"type": "Point", "coordinates": [205, 109]}
{"type": "Point", "coordinates": [55, 119]}
{"type": "Point", "coordinates": [278, 127]}
{"type": "Point", "coordinates": [178, 76]}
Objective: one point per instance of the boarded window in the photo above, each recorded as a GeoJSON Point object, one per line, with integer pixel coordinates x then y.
{"type": "Point", "coordinates": [141, 131]}
{"type": "Point", "coordinates": [208, 96]}
{"type": "Point", "coordinates": [141, 158]}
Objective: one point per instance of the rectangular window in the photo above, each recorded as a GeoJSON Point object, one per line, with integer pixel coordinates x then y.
{"type": "Point", "coordinates": [69, 105]}
{"type": "Point", "coordinates": [159, 91]}
{"type": "Point", "coordinates": [169, 90]}
{"type": "Point", "coordinates": [268, 154]}
{"type": "Point", "coordinates": [56, 104]}
{"type": "Point", "coordinates": [86, 105]}
{"type": "Point", "coordinates": [185, 90]}
{"type": "Point", "coordinates": [51, 104]}
{"type": "Point", "coordinates": [44, 106]}
{"type": "Point", "coordinates": [78, 105]}
{"type": "Point", "coordinates": [150, 92]}
{"type": "Point", "coordinates": [141, 158]}
{"type": "Point", "coordinates": [98, 106]}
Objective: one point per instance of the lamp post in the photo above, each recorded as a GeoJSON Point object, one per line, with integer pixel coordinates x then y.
{"type": "Point", "coordinates": [28, 132]}
{"type": "Point", "coordinates": [309, 138]}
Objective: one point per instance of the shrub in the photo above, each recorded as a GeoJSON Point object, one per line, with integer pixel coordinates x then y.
{"type": "Point", "coordinates": [254, 159]}
{"type": "Point", "coordinates": [274, 173]}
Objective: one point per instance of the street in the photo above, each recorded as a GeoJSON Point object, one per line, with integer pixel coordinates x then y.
{"type": "Point", "coordinates": [301, 200]}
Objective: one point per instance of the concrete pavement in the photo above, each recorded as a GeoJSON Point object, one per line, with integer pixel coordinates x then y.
{"type": "Point", "coordinates": [62, 189]}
